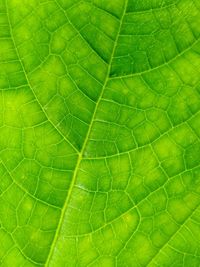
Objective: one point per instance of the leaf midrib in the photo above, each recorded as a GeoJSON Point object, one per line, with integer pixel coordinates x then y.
{"type": "Point", "coordinates": [80, 157]}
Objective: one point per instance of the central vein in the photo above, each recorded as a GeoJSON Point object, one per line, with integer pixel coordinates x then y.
{"type": "Point", "coordinates": [80, 156]}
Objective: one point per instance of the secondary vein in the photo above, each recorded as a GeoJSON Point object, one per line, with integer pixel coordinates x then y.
{"type": "Point", "coordinates": [28, 83]}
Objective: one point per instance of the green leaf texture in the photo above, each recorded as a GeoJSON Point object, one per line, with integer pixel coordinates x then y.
{"type": "Point", "coordinates": [99, 133]}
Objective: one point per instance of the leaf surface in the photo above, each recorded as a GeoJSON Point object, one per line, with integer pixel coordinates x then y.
{"type": "Point", "coordinates": [99, 133]}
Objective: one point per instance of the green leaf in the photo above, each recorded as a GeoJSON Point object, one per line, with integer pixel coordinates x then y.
{"type": "Point", "coordinates": [99, 133]}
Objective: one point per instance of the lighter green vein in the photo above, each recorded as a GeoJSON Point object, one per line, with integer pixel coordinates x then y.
{"type": "Point", "coordinates": [26, 191]}
{"type": "Point", "coordinates": [28, 83]}
{"type": "Point", "coordinates": [135, 206]}
{"type": "Point", "coordinates": [167, 63]}
{"type": "Point", "coordinates": [178, 230]}
{"type": "Point", "coordinates": [80, 34]}
{"type": "Point", "coordinates": [84, 145]}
